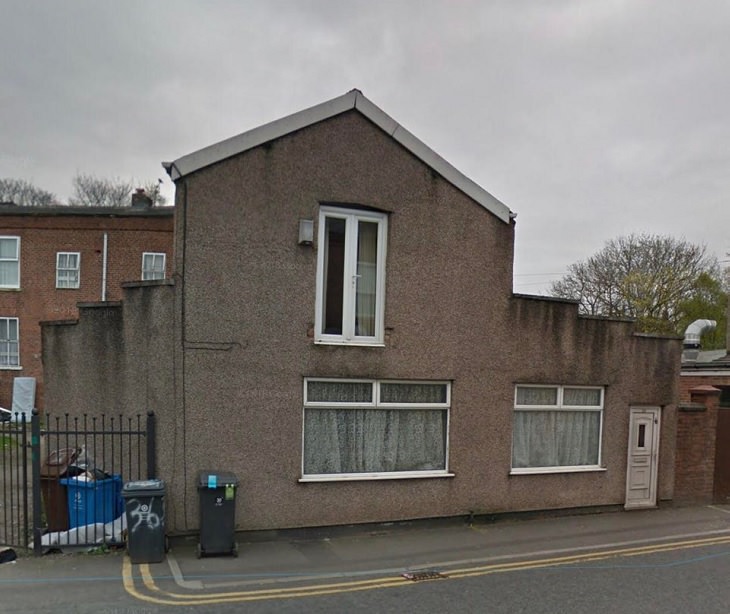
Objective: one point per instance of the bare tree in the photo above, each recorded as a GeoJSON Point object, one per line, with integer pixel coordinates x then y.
{"type": "Point", "coordinates": [24, 193]}
{"type": "Point", "coordinates": [91, 191]}
{"type": "Point", "coordinates": [152, 189]}
{"type": "Point", "coordinates": [648, 277]}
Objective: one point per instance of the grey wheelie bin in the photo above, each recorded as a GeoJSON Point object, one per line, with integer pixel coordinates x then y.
{"type": "Point", "coordinates": [144, 506]}
{"type": "Point", "coordinates": [217, 490]}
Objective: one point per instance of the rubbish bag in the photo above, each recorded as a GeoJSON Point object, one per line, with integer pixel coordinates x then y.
{"type": "Point", "coordinates": [84, 467]}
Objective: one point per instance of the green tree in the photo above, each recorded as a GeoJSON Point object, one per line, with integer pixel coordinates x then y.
{"type": "Point", "coordinates": [662, 282]}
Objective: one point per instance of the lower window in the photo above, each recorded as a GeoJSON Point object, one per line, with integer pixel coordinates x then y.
{"type": "Point", "coordinates": [370, 429]}
{"type": "Point", "coordinates": [9, 345]}
{"type": "Point", "coordinates": [556, 428]}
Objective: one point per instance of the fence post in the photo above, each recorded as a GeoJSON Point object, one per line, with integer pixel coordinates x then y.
{"type": "Point", "coordinates": [151, 446]}
{"type": "Point", "coordinates": [35, 448]}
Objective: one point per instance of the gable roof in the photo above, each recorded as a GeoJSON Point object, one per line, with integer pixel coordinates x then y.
{"type": "Point", "coordinates": [352, 100]}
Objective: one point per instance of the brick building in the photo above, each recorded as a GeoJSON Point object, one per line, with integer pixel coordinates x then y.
{"type": "Point", "coordinates": [702, 470]}
{"type": "Point", "coordinates": [53, 258]}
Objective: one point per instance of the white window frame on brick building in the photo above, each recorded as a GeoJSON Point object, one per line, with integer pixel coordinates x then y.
{"type": "Point", "coordinates": [9, 343]}
{"type": "Point", "coordinates": [68, 267]}
{"type": "Point", "coordinates": [10, 262]}
{"type": "Point", "coordinates": [153, 265]}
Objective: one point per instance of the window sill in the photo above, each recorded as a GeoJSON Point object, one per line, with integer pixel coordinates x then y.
{"type": "Point", "coordinates": [357, 477]}
{"type": "Point", "coordinates": [367, 344]}
{"type": "Point", "coordinates": [9, 289]}
{"type": "Point", "coordinates": [549, 470]}
{"type": "Point", "coordinates": [10, 368]}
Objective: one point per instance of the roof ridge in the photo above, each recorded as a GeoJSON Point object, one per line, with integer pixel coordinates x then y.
{"type": "Point", "coordinates": [352, 100]}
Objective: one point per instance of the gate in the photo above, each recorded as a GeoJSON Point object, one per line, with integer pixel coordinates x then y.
{"type": "Point", "coordinates": [15, 495]}
{"type": "Point", "coordinates": [61, 478]}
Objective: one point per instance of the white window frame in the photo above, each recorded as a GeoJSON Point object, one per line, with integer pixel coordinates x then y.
{"type": "Point", "coordinates": [149, 273]}
{"type": "Point", "coordinates": [5, 356]}
{"type": "Point", "coordinates": [351, 217]}
{"type": "Point", "coordinates": [16, 259]}
{"type": "Point", "coordinates": [561, 407]}
{"type": "Point", "coordinates": [376, 403]}
{"type": "Point", "coordinates": [64, 275]}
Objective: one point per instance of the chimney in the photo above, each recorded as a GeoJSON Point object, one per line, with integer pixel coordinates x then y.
{"type": "Point", "coordinates": [692, 338]}
{"type": "Point", "coordinates": [140, 200]}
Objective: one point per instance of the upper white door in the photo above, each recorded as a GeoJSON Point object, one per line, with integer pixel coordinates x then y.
{"type": "Point", "coordinates": [643, 458]}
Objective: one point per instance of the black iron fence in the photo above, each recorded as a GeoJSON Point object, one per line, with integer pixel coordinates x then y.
{"type": "Point", "coordinates": [15, 496]}
{"type": "Point", "coordinates": [62, 478]}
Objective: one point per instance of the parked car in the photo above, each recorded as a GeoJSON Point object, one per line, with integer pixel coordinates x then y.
{"type": "Point", "coordinates": [5, 414]}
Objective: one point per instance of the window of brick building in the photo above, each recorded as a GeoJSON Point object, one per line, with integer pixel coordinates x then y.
{"type": "Point", "coordinates": [68, 265]}
{"type": "Point", "coordinates": [153, 265]}
{"type": "Point", "coordinates": [9, 262]}
{"type": "Point", "coordinates": [9, 343]}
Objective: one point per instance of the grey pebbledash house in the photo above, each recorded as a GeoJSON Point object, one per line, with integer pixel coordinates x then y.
{"type": "Point", "coordinates": [341, 333]}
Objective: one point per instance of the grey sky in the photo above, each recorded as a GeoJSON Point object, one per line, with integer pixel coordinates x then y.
{"type": "Point", "coordinates": [590, 119]}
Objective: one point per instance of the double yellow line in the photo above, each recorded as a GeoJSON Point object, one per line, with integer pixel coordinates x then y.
{"type": "Point", "coordinates": [151, 593]}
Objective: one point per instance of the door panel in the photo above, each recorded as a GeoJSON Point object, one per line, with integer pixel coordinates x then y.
{"type": "Point", "coordinates": [643, 457]}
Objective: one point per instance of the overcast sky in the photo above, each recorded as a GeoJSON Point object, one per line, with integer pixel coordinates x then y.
{"type": "Point", "coordinates": [589, 119]}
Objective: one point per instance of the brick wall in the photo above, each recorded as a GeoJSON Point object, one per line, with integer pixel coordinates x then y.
{"type": "Point", "coordinates": [45, 232]}
{"type": "Point", "coordinates": [695, 451]}
{"type": "Point", "coordinates": [688, 382]}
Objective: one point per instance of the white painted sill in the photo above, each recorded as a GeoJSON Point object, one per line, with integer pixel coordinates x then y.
{"type": "Point", "coordinates": [551, 470]}
{"type": "Point", "coordinates": [357, 344]}
{"type": "Point", "coordinates": [359, 477]}
{"type": "Point", "coordinates": [11, 368]}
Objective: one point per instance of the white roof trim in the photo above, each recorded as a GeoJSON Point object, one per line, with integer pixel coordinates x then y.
{"type": "Point", "coordinates": [352, 100]}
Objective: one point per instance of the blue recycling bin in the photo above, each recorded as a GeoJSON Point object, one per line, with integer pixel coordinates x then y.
{"type": "Point", "coordinates": [91, 501]}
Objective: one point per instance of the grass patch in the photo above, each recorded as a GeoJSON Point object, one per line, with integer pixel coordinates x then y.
{"type": "Point", "coordinates": [7, 442]}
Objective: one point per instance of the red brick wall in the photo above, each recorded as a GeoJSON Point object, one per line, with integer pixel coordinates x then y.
{"type": "Point", "coordinates": [695, 452]}
{"type": "Point", "coordinates": [688, 382]}
{"type": "Point", "coordinates": [41, 237]}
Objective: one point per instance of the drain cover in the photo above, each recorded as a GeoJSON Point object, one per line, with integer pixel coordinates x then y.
{"type": "Point", "coordinates": [419, 576]}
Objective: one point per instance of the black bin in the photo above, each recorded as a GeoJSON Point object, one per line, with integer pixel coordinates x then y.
{"type": "Point", "coordinates": [144, 507]}
{"type": "Point", "coordinates": [217, 490]}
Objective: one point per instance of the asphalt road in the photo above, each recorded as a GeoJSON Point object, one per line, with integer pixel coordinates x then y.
{"type": "Point", "coordinates": [682, 579]}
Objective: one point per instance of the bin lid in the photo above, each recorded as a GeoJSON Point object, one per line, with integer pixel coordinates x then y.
{"type": "Point", "coordinates": [216, 479]}
{"type": "Point", "coordinates": [58, 462]}
{"type": "Point", "coordinates": [81, 481]}
{"type": "Point", "coordinates": [143, 487]}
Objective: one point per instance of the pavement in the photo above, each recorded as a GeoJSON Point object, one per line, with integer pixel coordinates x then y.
{"type": "Point", "coordinates": [308, 560]}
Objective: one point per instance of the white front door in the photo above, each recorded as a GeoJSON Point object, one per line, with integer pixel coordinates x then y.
{"type": "Point", "coordinates": [641, 472]}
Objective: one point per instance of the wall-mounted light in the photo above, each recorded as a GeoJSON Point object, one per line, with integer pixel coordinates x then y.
{"type": "Point", "coordinates": [306, 232]}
